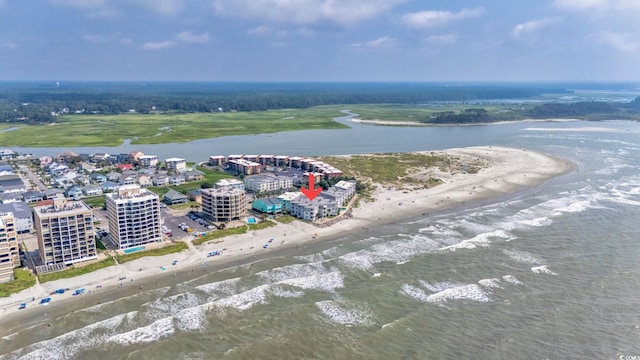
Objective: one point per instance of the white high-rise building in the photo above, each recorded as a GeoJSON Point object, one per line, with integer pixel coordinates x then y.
{"type": "Point", "coordinates": [134, 216]}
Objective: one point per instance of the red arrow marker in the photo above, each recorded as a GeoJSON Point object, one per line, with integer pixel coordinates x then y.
{"type": "Point", "coordinates": [311, 192]}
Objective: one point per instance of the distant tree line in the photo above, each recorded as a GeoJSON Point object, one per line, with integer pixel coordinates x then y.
{"type": "Point", "coordinates": [37, 104]}
{"type": "Point", "coordinates": [577, 109]}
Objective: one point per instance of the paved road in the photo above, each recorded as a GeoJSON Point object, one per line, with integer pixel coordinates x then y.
{"type": "Point", "coordinates": [33, 177]}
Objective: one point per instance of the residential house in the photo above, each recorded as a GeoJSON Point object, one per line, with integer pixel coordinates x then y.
{"type": "Point", "coordinates": [85, 166]}
{"type": "Point", "coordinates": [195, 195]}
{"type": "Point", "coordinates": [53, 193]}
{"type": "Point", "coordinates": [124, 167]}
{"type": "Point", "coordinates": [109, 186]}
{"type": "Point", "coordinates": [144, 180]}
{"type": "Point", "coordinates": [268, 205]}
{"type": "Point", "coordinates": [32, 196]}
{"type": "Point", "coordinates": [45, 160]}
{"type": "Point", "coordinates": [176, 179]}
{"type": "Point", "coordinates": [173, 197]}
{"type": "Point", "coordinates": [92, 190]}
{"type": "Point", "coordinates": [12, 184]}
{"type": "Point", "coordinates": [22, 215]}
{"type": "Point", "coordinates": [6, 169]}
{"type": "Point", "coordinates": [99, 157]}
{"type": "Point", "coordinates": [160, 180]}
{"type": "Point", "coordinates": [134, 156]}
{"type": "Point", "coordinates": [8, 198]}
{"type": "Point", "coordinates": [113, 176]}
{"type": "Point", "coordinates": [128, 179]}
{"type": "Point", "coordinates": [176, 164]}
{"type": "Point", "coordinates": [63, 156]}
{"type": "Point", "coordinates": [73, 192]}
{"type": "Point", "coordinates": [97, 178]}
{"type": "Point", "coordinates": [148, 161]}
{"type": "Point", "coordinates": [193, 175]}
{"type": "Point", "coordinates": [7, 154]}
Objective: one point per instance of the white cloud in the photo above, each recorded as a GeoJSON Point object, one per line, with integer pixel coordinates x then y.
{"type": "Point", "coordinates": [427, 19]}
{"type": "Point", "coordinates": [384, 42]}
{"type": "Point", "coordinates": [9, 44]}
{"type": "Point", "coordinates": [158, 45]}
{"type": "Point", "coordinates": [620, 41]}
{"type": "Point", "coordinates": [442, 39]}
{"type": "Point", "coordinates": [343, 12]}
{"type": "Point", "coordinates": [189, 37]}
{"type": "Point", "coordinates": [531, 27]}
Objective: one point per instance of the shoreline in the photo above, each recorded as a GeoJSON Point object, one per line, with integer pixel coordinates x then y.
{"type": "Point", "coordinates": [419, 124]}
{"type": "Point", "coordinates": [510, 171]}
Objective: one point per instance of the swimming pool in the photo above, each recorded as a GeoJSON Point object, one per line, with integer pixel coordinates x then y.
{"type": "Point", "coordinates": [251, 220]}
{"type": "Point", "coordinates": [137, 248]}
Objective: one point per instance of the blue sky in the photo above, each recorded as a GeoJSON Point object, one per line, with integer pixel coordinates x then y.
{"type": "Point", "coordinates": [320, 40]}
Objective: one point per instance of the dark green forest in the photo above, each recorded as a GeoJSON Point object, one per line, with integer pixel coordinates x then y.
{"type": "Point", "coordinates": [37, 103]}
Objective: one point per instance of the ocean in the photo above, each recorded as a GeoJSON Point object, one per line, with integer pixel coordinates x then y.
{"type": "Point", "coordinates": [548, 273]}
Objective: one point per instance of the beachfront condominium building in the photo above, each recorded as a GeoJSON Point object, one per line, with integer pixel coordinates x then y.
{"type": "Point", "coordinates": [134, 216]}
{"type": "Point", "coordinates": [176, 164]}
{"type": "Point", "coordinates": [267, 183]}
{"type": "Point", "coordinates": [224, 205]}
{"type": "Point", "coordinates": [9, 251]}
{"type": "Point", "coordinates": [65, 232]}
{"type": "Point", "coordinates": [147, 161]}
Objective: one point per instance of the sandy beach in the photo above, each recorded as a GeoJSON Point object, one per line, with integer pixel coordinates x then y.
{"type": "Point", "coordinates": [509, 170]}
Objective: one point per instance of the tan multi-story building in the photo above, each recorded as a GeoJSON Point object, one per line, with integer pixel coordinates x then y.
{"type": "Point", "coordinates": [225, 204]}
{"type": "Point", "coordinates": [134, 216]}
{"type": "Point", "coordinates": [65, 232]}
{"type": "Point", "coordinates": [9, 250]}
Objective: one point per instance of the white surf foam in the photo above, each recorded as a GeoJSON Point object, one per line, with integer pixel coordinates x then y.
{"type": "Point", "coordinates": [293, 271]}
{"type": "Point", "coordinates": [245, 300]}
{"type": "Point", "coordinates": [512, 280]}
{"type": "Point", "coordinates": [344, 313]}
{"type": "Point", "coordinates": [521, 256]}
{"type": "Point", "coordinates": [325, 282]}
{"type": "Point", "coordinates": [466, 292]}
{"type": "Point", "coordinates": [222, 288]}
{"type": "Point", "coordinates": [404, 249]}
{"type": "Point", "coordinates": [482, 240]}
{"type": "Point", "coordinates": [67, 345]}
{"type": "Point", "coordinates": [146, 334]}
{"type": "Point", "coordinates": [414, 292]}
{"type": "Point", "coordinates": [543, 269]}
{"type": "Point", "coordinates": [492, 283]}
{"type": "Point", "coordinates": [439, 286]}
{"type": "Point", "coordinates": [284, 293]}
